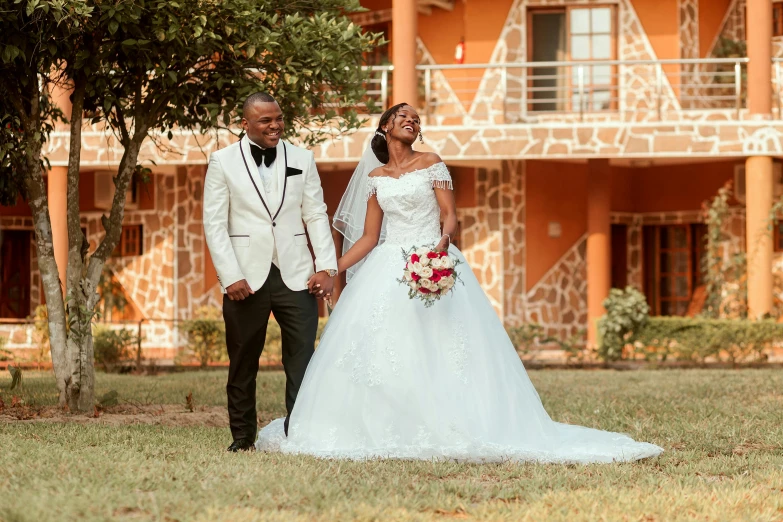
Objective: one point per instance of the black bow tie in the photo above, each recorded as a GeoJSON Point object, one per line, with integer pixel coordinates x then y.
{"type": "Point", "coordinates": [266, 155]}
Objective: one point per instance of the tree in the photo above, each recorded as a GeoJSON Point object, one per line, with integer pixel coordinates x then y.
{"type": "Point", "coordinates": [149, 68]}
{"type": "Point", "coordinates": [34, 34]}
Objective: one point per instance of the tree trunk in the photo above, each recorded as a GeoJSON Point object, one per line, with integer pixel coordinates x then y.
{"type": "Point", "coordinates": [80, 314]}
{"type": "Point", "coordinates": [50, 277]}
{"type": "Point", "coordinates": [81, 356]}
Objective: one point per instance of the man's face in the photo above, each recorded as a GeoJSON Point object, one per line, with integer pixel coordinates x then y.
{"type": "Point", "coordinates": [263, 123]}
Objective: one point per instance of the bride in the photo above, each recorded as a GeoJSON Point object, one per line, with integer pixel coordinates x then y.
{"type": "Point", "coordinates": [393, 379]}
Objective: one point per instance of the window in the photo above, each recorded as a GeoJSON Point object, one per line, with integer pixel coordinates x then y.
{"type": "Point", "coordinates": [672, 266]}
{"type": "Point", "coordinates": [777, 19]}
{"type": "Point", "coordinates": [572, 34]}
{"type": "Point", "coordinates": [777, 237]}
{"type": "Point", "coordinates": [130, 241]}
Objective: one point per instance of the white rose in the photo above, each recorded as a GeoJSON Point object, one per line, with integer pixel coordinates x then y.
{"type": "Point", "coordinates": [447, 262]}
{"type": "Point", "coordinates": [422, 251]}
{"type": "Point", "coordinates": [437, 263]}
{"type": "Point", "coordinates": [425, 261]}
{"type": "Point", "coordinates": [409, 267]}
{"type": "Point", "coordinates": [426, 272]}
{"type": "Point", "coordinates": [407, 276]}
{"type": "Point", "coordinates": [444, 283]}
{"type": "Point", "coordinates": [413, 285]}
{"type": "Point", "coordinates": [417, 267]}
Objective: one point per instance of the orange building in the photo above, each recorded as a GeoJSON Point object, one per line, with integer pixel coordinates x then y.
{"type": "Point", "coordinates": [583, 137]}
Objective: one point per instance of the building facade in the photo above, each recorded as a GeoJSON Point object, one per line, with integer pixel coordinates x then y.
{"type": "Point", "coordinates": [583, 137]}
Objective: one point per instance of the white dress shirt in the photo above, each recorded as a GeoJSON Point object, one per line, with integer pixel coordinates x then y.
{"type": "Point", "coordinates": [268, 177]}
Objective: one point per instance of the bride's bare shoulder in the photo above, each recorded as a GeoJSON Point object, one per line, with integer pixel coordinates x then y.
{"type": "Point", "coordinates": [428, 159]}
{"type": "Point", "coordinates": [377, 172]}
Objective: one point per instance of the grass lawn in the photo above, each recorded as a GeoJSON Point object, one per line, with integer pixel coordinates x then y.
{"type": "Point", "coordinates": [722, 431]}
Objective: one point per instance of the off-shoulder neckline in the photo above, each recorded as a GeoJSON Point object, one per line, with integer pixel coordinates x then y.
{"type": "Point", "coordinates": [407, 173]}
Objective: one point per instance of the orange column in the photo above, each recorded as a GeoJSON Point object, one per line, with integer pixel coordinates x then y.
{"type": "Point", "coordinates": [58, 194]}
{"type": "Point", "coordinates": [404, 33]}
{"type": "Point", "coordinates": [758, 204]}
{"type": "Point", "coordinates": [758, 169]}
{"type": "Point", "coordinates": [58, 213]}
{"type": "Point", "coordinates": [599, 254]}
{"type": "Point", "coordinates": [759, 45]}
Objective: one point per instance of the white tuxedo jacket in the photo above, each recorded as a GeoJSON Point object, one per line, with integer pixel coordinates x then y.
{"type": "Point", "coordinates": [243, 224]}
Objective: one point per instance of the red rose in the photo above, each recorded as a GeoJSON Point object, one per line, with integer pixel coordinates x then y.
{"type": "Point", "coordinates": [415, 258]}
{"type": "Point", "coordinates": [415, 276]}
{"type": "Point", "coordinates": [432, 255]}
{"type": "Point", "coordinates": [444, 254]}
{"type": "Point", "coordinates": [424, 291]}
{"type": "Point", "coordinates": [435, 277]}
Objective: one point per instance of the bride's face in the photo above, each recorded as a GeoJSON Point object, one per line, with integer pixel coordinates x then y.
{"type": "Point", "coordinates": [404, 126]}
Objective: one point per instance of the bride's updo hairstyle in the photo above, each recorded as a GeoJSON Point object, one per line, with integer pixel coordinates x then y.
{"type": "Point", "coordinates": [378, 143]}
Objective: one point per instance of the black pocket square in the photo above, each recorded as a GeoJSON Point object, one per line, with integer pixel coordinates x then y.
{"type": "Point", "coordinates": [291, 171]}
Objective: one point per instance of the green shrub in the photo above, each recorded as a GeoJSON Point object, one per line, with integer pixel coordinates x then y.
{"type": "Point", "coordinates": [112, 347]}
{"type": "Point", "coordinates": [575, 346]}
{"type": "Point", "coordinates": [626, 314]}
{"type": "Point", "coordinates": [696, 339]}
{"type": "Point", "coordinates": [527, 336]}
{"type": "Point", "coordinates": [5, 355]}
{"type": "Point", "coordinates": [206, 335]}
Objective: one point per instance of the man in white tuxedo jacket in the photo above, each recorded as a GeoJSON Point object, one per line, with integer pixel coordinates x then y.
{"type": "Point", "coordinates": [262, 199]}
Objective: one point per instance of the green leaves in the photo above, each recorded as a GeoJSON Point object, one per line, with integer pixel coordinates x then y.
{"type": "Point", "coordinates": [626, 313]}
{"type": "Point", "coordinates": [10, 53]}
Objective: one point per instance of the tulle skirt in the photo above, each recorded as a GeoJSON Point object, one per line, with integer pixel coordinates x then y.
{"type": "Point", "coordinates": [393, 379]}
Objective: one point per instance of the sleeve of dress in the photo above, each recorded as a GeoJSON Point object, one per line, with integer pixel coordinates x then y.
{"type": "Point", "coordinates": [440, 177]}
{"type": "Point", "coordinates": [371, 187]}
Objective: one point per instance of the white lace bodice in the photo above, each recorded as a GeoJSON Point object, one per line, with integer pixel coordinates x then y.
{"type": "Point", "coordinates": [410, 206]}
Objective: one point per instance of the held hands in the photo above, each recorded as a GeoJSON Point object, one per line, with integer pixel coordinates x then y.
{"type": "Point", "coordinates": [239, 290]}
{"type": "Point", "coordinates": [321, 286]}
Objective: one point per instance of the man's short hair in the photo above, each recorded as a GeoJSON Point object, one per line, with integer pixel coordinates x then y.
{"type": "Point", "coordinates": [258, 97]}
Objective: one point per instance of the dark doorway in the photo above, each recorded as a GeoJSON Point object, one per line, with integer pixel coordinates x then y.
{"type": "Point", "coordinates": [14, 274]}
{"type": "Point", "coordinates": [619, 256]}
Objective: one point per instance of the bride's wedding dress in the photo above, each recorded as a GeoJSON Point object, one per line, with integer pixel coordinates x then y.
{"type": "Point", "coordinates": [393, 379]}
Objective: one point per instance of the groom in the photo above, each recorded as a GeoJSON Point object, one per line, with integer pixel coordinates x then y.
{"type": "Point", "coordinates": [260, 195]}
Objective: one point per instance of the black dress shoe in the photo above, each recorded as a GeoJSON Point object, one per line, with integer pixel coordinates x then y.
{"type": "Point", "coordinates": [241, 445]}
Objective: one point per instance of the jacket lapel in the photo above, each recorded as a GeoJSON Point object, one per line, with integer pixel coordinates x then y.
{"type": "Point", "coordinates": [247, 159]}
{"type": "Point", "coordinates": [282, 179]}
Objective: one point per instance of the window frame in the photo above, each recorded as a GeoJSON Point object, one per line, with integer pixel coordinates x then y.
{"type": "Point", "coordinates": [612, 87]}
{"type": "Point", "coordinates": [123, 248]}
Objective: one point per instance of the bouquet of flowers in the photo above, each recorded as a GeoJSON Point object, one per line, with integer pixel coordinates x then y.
{"type": "Point", "coordinates": [428, 274]}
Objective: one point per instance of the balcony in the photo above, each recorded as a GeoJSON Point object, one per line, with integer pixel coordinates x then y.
{"type": "Point", "coordinates": [535, 110]}
{"type": "Point", "coordinates": [596, 91]}
{"type": "Point", "coordinates": [616, 109]}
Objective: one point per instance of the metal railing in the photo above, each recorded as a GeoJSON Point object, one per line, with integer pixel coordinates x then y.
{"type": "Point", "coordinates": [531, 91]}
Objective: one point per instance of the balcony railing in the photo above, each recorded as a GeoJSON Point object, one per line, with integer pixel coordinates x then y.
{"type": "Point", "coordinates": [635, 90]}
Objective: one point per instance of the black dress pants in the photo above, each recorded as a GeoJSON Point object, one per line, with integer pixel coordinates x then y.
{"type": "Point", "coordinates": [246, 324]}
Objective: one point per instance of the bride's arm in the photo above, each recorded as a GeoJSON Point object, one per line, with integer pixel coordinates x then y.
{"type": "Point", "coordinates": [448, 213]}
{"type": "Point", "coordinates": [369, 240]}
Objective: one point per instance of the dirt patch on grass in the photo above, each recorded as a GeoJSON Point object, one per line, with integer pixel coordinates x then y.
{"type": "Point", "coordinates": [163, 415]}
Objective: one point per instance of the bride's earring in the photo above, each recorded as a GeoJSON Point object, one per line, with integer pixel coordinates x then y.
{"type": "Point", "coordinates": [421, 138]}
